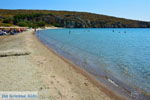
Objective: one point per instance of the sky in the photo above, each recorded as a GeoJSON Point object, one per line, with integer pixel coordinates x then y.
{"type": "Point", "coordinates": [131, 9]}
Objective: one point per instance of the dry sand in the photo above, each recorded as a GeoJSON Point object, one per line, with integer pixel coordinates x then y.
{"type": "Point", "coordinates": [30, 66]}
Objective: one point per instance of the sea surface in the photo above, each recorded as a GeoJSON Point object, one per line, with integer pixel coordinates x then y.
{"type": "Point", "coordinates": [122, 56]}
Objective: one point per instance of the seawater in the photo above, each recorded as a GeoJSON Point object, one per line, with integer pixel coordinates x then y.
{"type": "Point", "coordinates": [119, 54]}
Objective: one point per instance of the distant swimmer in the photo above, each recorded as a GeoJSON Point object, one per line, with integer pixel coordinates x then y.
{"type": "Point", "coordinates": [69, 31]}
{"type": "Point", "coordinates": [113, 30]}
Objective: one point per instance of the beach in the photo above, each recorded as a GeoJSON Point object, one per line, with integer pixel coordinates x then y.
{"type": "Point", "coordinates": [27, 65]}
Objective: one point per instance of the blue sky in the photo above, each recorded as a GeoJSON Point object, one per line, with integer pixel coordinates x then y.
{"type": "Point", "coordinates": [132, 9]}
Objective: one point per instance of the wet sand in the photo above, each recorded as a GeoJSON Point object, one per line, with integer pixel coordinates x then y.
{"type": "Point", "coordinates": [28, 65]}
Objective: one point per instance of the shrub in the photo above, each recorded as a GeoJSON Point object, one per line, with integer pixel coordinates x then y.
{"type": "Point", "coordinates": [23, 24]}
{"type": "Point", "coordinates": [40, 24]}
{"type": "Point", "coordinates": [5, 25]}
{"type": "Point", "coordinates": [56, 25]}
{"type": "Point", "coordinates": [8, 20]}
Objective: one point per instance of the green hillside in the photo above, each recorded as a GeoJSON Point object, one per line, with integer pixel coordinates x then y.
{"type": "Point", "coordinates": [69, 19]}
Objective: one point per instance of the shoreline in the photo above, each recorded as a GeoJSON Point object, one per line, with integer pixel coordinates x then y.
{"type": "Point", "coordinates": [111, 86]}
{"type": "Point", "coordinates": [43, 71]}
{"type": "Point", "coordinates": [55, 72]}
{"type": "Point", "coordinates": [91, 78]}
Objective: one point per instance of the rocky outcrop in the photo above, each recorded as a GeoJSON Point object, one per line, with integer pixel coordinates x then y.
{"type": "Point", "coordinates": [78, 22]}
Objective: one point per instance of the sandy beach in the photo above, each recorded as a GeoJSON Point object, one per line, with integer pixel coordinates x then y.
{"type": "Point", "coordinates": [27, 65]}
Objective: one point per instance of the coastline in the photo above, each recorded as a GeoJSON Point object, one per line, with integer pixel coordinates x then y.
{"type": "Point", "coordinates": [102, 87]}
{"type": "Point", "coordinates": [109, 85]}
{"type": "Point", "coordinates": [44, 71]}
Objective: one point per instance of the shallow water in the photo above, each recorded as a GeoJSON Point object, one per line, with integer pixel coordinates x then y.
{"type": "Point", "coordinates": [121, 53]}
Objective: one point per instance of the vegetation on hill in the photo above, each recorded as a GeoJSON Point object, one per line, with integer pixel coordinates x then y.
{"type": "Point", "coordinates": [41, 18]}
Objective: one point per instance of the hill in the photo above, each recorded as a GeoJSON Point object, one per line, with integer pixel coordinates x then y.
{"type": "Point", "coordinates": [68, 19]}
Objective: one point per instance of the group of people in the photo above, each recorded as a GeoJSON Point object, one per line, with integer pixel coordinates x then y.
{"type": "Point", "coordinates": [10, 31]}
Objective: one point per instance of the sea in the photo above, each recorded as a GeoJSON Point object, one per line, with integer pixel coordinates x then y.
{"type": "Point", "coordinates": [118, 57]}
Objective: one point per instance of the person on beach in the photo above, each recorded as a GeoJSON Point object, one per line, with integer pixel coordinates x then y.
{"type": "Point", "coordinates": [34, 29]}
